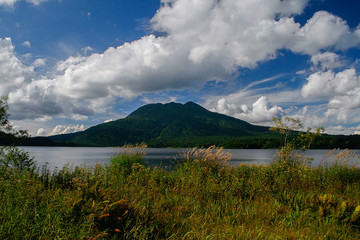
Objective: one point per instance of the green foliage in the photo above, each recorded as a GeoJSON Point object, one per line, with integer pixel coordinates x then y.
{"type": "Point", "coordinates": [286, 127]}
{"type": "Point", "coordinates": [190, 125]}
{"type": "Point", "coordinates": [5, 126]}
{"type": "Point", "coordinates": [172, 124]}
{"type": "Point", "coordinates": [4, 115]}
{"type": "Point", "coordinates": [124, 162]}
{"type": "Point", "coordinates": [290, 155]}
{"type": "Point", "coordinates": [12, 159]}
{"type": "Point", "coordinates": [15, 160]}
{"type": "Point", "coordinates": [202, 198]}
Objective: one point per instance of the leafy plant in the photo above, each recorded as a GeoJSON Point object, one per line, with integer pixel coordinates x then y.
{"type": "Point", "coordinates": [13, 159]}
{"type": "Point", "coordinates": [289, 154]}
{"type": "Point", "coordinates": [5, 125]}
{"type": "Point", "coordinates": [125, 160]}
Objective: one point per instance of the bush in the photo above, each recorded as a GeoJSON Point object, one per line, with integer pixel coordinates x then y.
{"type": "Point", "coordinates": [15, 160]}
{"type": "Point", "coordinates": [124, 161]}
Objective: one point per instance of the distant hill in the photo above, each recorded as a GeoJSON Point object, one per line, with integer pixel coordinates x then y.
{"type": "Point", "coordinates": [183, 125]}
{"type": "Point", "coordinates": [164, 125]}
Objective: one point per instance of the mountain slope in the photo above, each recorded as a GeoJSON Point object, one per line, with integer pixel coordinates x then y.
{"type": "Point", "coordinates": [165, 125]}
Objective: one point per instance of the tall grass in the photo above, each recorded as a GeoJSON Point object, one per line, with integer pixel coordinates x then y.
{"type": "Point", "coordinates": [202, 198]}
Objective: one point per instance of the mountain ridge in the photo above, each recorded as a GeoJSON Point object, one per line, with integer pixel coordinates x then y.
{"type": "Point", "coordinates": [183, 125]}
{"type": "Point", "coordinates": [157, 123]}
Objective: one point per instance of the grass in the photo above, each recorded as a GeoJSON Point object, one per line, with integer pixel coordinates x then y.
{"type": "Point", "coordinates": [202, 198]}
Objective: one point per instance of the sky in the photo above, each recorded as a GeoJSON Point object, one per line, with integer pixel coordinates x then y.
{"type": "Point", "coordinates": [67, 65]}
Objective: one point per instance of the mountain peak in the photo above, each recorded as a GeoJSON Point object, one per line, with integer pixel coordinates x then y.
{"type": "Point", "coordinates": [169, 124]}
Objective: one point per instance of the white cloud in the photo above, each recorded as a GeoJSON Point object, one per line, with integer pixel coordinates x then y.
{"type": "Point", "coordinates": [44, 119]}
{"type": "Point", "coordinates": [341, 90]}
{"type": "Point", "coordinates": [205, 40]}
{"type": "Point", "coordinates": [330, 84]}
{"type": "Point", "coordinates": [261, 111]}
{"type": "Point", "coordinates": [26, 44]}
{"type": "Point", "coordinates": [36, 2]}
{"type": "Point", "coordinates": [201, 41]}
{"type": "Point", "coordinates": [9, 3]}
{"type": "Point", "coordinates": [201, 45]}
{"type": "Point", "coordinates": [64, 129]}
{"type": "Point", "coordinates": [311, 116]}
{"type": "Point", "coordinates": [14, 74]}
{"type": "Point", "coordinates": [79, 117]}
{"type": "Point", "coordinates": [87, 50]}
{"type": "Point", "coordinates": [327, 60]}
{"type": "Point", "coordinates": [324, 31]}
{"type": "Point", "coordinates": [39, 62]}
{"type": "Point", "coordinates": [225, 107]}
{"type": "Point", "coordinates": [41, 132]}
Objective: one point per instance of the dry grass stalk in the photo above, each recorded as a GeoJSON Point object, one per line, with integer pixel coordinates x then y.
{"type": "Point", "coordinates": [343, 158]}
{"type": "Point", "coordinates": [208, 155]}
{"type": "Point", "coordinates": [138, 149]}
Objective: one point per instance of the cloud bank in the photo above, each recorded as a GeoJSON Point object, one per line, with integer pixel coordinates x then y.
{"type": "Point", "coordinates": [193, 42]}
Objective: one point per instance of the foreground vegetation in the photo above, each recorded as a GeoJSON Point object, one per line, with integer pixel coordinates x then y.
{"type": "Point", "coordinates": [202, 198]}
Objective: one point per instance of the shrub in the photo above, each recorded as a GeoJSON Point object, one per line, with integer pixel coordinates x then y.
{"type": "Point", "coordinates": [124, 161]}
{"type": "Point", "coordinates": [15, 160]}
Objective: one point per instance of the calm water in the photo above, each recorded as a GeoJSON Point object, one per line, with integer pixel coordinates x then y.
{"type": "Point", "coordinates": [165, 157]}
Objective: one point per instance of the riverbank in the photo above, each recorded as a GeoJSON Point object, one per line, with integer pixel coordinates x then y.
{"type": "Point", "coordinates": [201, 199]}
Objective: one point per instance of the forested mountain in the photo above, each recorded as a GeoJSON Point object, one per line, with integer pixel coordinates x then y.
{"type": "Point", "coordinates": [184, 125]}
{"type": "Point", "coordinates": [171, 124]}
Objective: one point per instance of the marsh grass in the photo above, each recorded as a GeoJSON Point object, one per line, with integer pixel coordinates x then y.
{"type": "Point", "coordinates": [202, 198]}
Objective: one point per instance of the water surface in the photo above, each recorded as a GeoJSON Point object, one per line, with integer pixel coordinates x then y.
{"type": "Point", "coordinates": [164, 157]}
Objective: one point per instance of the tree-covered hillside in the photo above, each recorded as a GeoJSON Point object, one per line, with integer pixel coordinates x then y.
{"type": "Point", "coordinates": [172, 124]}
{"type": "Point", "coordinates": [185, 125]}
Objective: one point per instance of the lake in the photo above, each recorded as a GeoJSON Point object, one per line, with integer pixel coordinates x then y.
{"type": "Point", "coordinates": [57, 157]}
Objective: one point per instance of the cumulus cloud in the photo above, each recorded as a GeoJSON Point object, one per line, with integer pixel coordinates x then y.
{"type": "Point", "coordinates": [65, 129]}
{"type": "Point", "coordinates": [261, 111]}
{"type": "Point", "coordinates": [330, 84]}
{"type": "Point", "coordinates": [324, 31]}
{"type": "Point", "coordinates": [231, 33]}
{"type": "Point", "coordinates": [14, 74]}
{"type": "Point", "coordinates": [326, 60]}
{"type": "Point", "coordinates": [311, 116]}
{"type": "Point", "coordinates": [341, 90]}
{"type": "Point", "coordinates": [200, 41]}
{"type": "Point", "coordinates": [41, 132]}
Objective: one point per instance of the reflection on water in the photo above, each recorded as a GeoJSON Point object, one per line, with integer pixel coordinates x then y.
{"type": "Point", "coordinates": [163, 157]}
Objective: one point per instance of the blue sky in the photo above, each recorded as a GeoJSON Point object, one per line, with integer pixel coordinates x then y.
{"type": "Point", "coordinates": [67, 65]}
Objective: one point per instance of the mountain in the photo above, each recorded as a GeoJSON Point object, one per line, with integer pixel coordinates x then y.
{"type": "Point", "coordinates": [171, 124]}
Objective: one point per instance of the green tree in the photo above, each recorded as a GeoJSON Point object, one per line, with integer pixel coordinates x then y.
{"type": "Point", "coordinates": [289, 153]}
{"type": "Point", "coordinates": [286, 126]}
{"type": "Point", "coordinates": [12, 159]}
{"type": "Point", "coordinates": [5, 126]}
